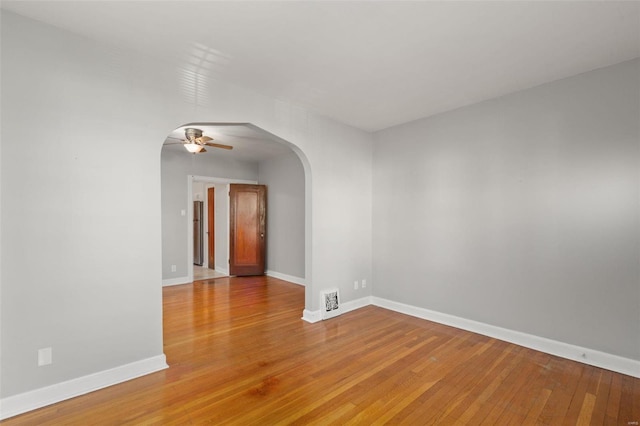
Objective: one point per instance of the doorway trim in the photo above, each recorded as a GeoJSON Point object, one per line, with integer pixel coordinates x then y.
{"type": "Point", "coordinates": [205, 179]}
{"type": "Point", "coordinates": [210, 247]}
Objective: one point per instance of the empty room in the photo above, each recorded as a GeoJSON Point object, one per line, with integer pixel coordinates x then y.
{"type": "Point", "coordinates": [320, 212]}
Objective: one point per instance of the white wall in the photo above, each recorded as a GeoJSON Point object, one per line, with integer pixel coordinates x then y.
{"type": "Point", "coordinates": [341, 211]}
{"type": "Point", "coordinates": [197, 190]}
{"type": "Point", "coordinates": [95, 118]}
{"type": "Point", "coordinates": [521, 212]}
{"type": "Point", "coordinates": [284, 178]}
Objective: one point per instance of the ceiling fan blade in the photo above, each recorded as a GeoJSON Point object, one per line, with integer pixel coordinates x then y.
{"type": "Point", "coordinates": [218, 145]}
{"type": "Point", "coordinates": [201, 151]}
{"type": "Point", "coordinates": [203, 139]}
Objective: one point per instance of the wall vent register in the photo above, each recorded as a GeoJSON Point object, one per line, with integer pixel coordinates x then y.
{"type": "Point", "coordinates": [330, 300]}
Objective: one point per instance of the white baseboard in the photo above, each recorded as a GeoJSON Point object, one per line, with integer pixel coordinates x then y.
{"type": "Point", "coordinates": [352, 305]}
{"type": "Point", "coordinates": [222, 270]}
{"type": "Point", "coordinates": [21, 403]}
{"type": "Point", "coordinates": [176, 281]}
{"type": "Point", "coordinates": [290, 278]}
{"type": "Point", "coordinates": [311, 316]}
{"type": "Point", "coordinates": [593, 357]}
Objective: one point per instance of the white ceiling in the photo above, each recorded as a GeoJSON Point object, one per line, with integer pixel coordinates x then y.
{"type": "Point", "coordinates": [250, 143]}
{"type": "Point", "coordinates": [368, 64]}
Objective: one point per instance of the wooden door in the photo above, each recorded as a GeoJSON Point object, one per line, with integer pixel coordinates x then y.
{"type": "Point", "coordinates": [247, 231]}
{"type": "Point", "coordinates": [211, 233]}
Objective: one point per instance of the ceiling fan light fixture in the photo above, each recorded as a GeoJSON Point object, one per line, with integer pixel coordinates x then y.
{"type": "Point", "coordinates": [193, 147]}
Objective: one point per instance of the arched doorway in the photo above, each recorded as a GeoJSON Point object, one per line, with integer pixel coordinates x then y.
{"type": "Point", "coordinates": [257, 155]}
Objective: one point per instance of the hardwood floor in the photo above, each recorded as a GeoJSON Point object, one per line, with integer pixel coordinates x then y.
{"type": "Point", "coordinates": [240, 354]}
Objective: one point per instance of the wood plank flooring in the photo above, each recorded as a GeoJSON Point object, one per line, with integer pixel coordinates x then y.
{"type": "Point", "coordinates": [240, 354]}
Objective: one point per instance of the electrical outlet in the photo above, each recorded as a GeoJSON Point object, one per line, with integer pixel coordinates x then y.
{"type": "Point", "coordinates": [355, 285]}
{"type": "Point", "coordinates": [44, 357]}
{"type": "Point", "coordinates": [364, 283]}
{"type": "Point", "coordinates": [173, 268]}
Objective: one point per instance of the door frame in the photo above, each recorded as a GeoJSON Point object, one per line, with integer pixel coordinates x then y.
{"type": "Point", "coordinates": [206, 179]}
{"type": "Point", "coordinates": [210, 207]}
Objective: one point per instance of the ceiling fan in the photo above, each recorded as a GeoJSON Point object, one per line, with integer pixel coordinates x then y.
{"type": "Point", "coordinates": [195, 142]}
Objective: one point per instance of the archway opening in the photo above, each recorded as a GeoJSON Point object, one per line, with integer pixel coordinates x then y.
{"type": "Point", "coordinates": [258, 156]}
